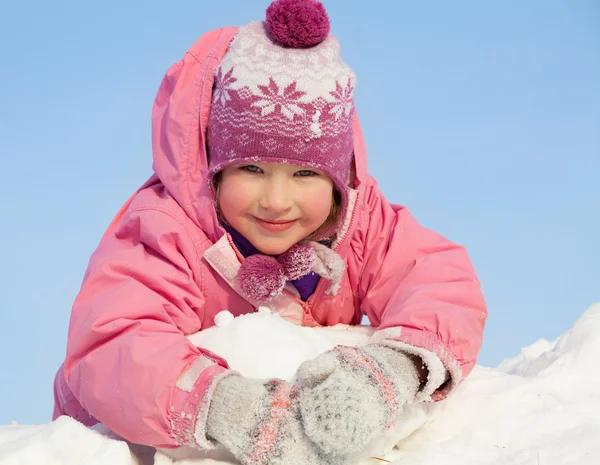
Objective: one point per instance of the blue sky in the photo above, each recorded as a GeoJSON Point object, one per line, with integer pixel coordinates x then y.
{"type": "Point", "coordinates": [482, 117]}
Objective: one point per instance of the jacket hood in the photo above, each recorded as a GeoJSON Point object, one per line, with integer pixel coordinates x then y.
{"type": "Point", "coordinates": [179, 121]}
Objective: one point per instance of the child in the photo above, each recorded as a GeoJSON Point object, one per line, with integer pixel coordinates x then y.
{"type": "Point", "coordinates": [261, 196]}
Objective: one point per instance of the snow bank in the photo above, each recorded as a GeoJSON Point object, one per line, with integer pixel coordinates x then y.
{"type": "Point", "coordinates": [539, 408]}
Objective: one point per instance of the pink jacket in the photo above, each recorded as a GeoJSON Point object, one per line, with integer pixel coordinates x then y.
{"type": "Point", "coordinates": [165, 268]}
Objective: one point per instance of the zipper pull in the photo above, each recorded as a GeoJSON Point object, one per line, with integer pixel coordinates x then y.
{"type": "Point", "coordinates": [307, 318]}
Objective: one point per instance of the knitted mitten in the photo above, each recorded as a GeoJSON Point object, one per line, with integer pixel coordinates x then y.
{"type": "Point", "coordinates": [259, 423]}
{"type": "Point", "coordinates": [350, 395]}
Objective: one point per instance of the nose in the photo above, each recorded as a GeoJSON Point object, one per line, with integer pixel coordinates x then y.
{"type": "Point", "coordinates": [276, 197]}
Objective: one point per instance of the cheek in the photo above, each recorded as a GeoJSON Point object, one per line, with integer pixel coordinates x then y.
{"type": "Point", "coordinates": [234, 197]}
{"type": "Point", "coordinates": [318, 203]}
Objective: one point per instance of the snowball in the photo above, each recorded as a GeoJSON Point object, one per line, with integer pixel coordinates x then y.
{"type": "Point", "coordinates": [222, 319]}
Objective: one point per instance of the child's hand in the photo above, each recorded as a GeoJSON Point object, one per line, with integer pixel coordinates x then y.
{"type": "Point", "coordinates": [259, 423]}
{"type": "Point", "coordinates": [349, 396]}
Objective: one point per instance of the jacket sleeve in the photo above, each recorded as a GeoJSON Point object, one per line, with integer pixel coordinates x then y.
{"type": "Point", "coordinates": [421, 292]}
{"type": "Point", "coordinates": [128, 360]}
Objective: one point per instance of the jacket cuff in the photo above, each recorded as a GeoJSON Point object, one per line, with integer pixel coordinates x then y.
{"type": "Point", "coordinates": [191, 399]}
{"type": "Point", "coordinates": [444, 372]}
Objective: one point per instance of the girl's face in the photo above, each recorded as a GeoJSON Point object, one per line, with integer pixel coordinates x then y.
{"type": "Point", "coordinates": [275, 205]}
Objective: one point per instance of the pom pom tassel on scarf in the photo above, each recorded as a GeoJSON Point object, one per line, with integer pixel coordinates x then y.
{"type": "Point", "coordinates": [262, 278]}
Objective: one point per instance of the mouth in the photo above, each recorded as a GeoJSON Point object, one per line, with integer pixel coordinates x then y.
{"type": "Point", "coordinates": [270, 225]}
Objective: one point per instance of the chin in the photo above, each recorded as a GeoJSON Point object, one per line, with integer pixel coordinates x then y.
{"type": "Point", "coordinates": [272, 250]}
{"type": "Point", "coordinates": [273, 247]}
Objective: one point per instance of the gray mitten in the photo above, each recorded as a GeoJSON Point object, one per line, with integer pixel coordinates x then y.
{"type": "Point", "coordinates": [349, 396]}
{"type": "Point", "coordinates": [259, 423]}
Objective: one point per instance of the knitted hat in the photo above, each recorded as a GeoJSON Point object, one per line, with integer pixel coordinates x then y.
{"type": "Point", "coordinates": [282, 94]}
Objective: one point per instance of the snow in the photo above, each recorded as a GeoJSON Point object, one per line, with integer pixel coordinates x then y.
{"type": "Point", "coordinates": [541, 407]}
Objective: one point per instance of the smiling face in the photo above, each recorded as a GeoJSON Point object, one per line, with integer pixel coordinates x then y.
{"type": "Point", "coordinates": [275, 205]}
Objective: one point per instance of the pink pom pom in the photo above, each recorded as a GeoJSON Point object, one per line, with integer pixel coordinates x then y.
{"type": "Point", "coordinates": [297, 23]}
{"type": "Point", "coordinates": [297, 261]}
{"type": "Point", "coordinates": [261, 278]}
